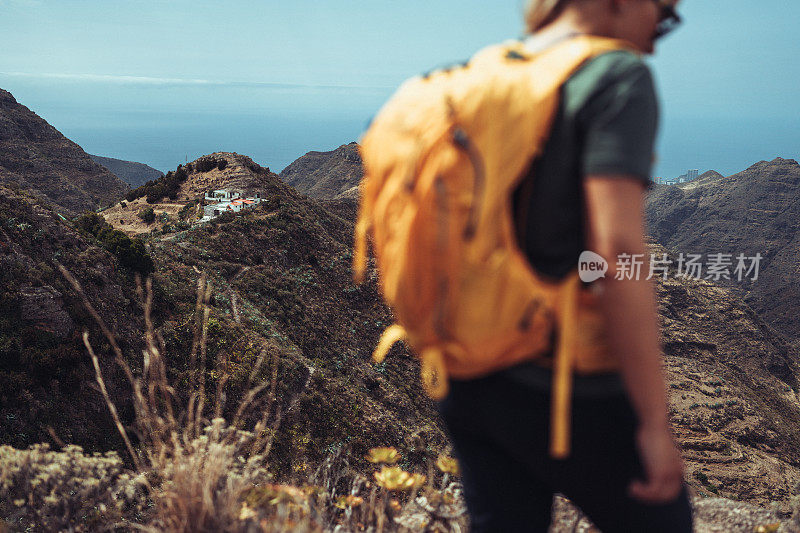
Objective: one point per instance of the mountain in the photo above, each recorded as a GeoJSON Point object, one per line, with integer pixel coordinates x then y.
{"type": "Point", "coordinates": [34, 156]}
{"type": "Point", "coordinates": [224, 170]}
{"type": "Point", "coordinates": [281, 292]}
{"type": "Point", "coordinates": [282, 281]}
{"type": "Point", "coordinates": [334, 174]}
{"type": "Point", "coordinates": [753, 211]}
{"type": "Point", "coordinates": [733, 391]}
{"type": "Point", "coordinates": [175, 197]}
{"type": "Point", "coordinates": [702, 179]}
{"type": "Point", "coordinates": [281, 286]}
{"type": "Point", "coordinates": [134, 174]}
{"type": "Point", "coordinates": [46, 377]}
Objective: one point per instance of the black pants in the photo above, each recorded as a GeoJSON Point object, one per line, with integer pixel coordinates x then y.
{"type": "Point", "coordinates": [500, 430]}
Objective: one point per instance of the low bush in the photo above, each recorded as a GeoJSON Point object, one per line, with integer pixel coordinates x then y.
{"type": "Point", "coordinates": [147, 215]}
{"type": "Point", "coordinates": [131, 253]}
{"type": "Point", "coordinates": [166, 186]}
{"type": "Point", "coordinates": [44, 490]}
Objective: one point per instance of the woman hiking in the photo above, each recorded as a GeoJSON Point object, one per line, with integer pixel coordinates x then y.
{"type": "Point", "coordinates": [586, 193]}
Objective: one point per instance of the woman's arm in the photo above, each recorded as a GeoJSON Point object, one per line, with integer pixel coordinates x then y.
{"type": "Point", "coordinates": [615, 224]}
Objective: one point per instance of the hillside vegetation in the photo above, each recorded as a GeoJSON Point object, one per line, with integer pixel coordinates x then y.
{"type": "Point", "coordinates": [257, 389]}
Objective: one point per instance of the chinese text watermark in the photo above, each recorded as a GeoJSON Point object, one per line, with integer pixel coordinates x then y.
{"type": "Point", "coordinates": [715, 267]}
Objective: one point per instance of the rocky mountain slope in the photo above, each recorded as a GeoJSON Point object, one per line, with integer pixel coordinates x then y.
{"type": "Point", "coordinates": [702, 179]}
{"type": "Point", "coordinates": [45, 374]}
{"type": "Point", "coordinates": [224, 170]}
{"type": "Point", "coordinates": [733, 393]}
{"type": "Point", "coordinates": [134, 174]}
{"type": "Point", "coordinates": [282, 283]}
{"type": "Point", "coordinates": [35, 157]}
{"type": "Point", "coordinates": [754, 211]}
{"type": "Point", "coordinates": [334, 174]}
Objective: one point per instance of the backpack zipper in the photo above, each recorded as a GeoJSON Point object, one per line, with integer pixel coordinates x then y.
{"type": "Point", "coordinates": [462, 141]}
{"type": "Point", "coordinates": [442, 221]}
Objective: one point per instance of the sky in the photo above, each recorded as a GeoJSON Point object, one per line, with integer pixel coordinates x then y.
{"type": "Point", "coordinates": [163, 81]}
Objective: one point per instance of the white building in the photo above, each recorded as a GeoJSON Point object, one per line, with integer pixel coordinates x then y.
{"type": "Point", "coordinates": [221, 195]}
{"type": "Point", "coordinates": [226, 201]}
{"type": "Point", "coordinates": [683, 178]}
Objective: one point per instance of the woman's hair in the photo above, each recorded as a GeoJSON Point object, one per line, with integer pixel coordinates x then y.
{"type": "Point", "coordinates": [538, 13]}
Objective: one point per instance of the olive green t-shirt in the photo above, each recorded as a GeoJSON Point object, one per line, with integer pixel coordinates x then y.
{"type": "Point", "coordinates": [605, 124]}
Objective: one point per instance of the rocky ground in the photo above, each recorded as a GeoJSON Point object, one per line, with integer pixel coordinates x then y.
{"type": "Point", "coordinates": [733, 394]}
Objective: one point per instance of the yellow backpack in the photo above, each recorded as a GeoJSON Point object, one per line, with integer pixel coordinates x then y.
{"type": "Point", "coordinates": [441, 161]}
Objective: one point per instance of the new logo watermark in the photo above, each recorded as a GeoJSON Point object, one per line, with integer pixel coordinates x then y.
{"type": "Point", "coordinates": [591, 266]}
{"type": "Point", "coordinates": [718, 266]}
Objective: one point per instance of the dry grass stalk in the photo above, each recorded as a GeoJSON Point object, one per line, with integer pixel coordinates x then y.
{"type": "Point", "coordinates": [207, 475]}
{"type": "Point", "coordinates": [111, 407]}
{"type": "Point", "coordinates": [198, 474]}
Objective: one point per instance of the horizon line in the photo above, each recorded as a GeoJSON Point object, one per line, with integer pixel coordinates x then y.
{"type": "Point", "coordinates": [198, 82]}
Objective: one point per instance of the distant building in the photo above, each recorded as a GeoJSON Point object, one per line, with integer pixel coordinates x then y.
{"type": "Point", "coordinates": [221, 194]}
{"type": "Point", "coordinates": [683, 178]}
{"type": "Point", "coordinates": [226, 201]}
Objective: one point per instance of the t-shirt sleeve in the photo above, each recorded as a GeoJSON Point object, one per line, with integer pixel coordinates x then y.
{"type": "Point", "coordinates": [619, 122]}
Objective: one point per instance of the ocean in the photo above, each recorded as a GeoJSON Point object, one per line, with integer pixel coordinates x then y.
{"type": "Point", "coordinates": [164, 126]}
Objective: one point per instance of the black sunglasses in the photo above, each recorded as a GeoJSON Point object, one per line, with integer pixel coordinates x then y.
{"type": "Point", "coordinates": [669, 19]}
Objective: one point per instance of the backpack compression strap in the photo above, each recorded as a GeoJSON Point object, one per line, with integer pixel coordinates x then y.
{"type": "Point", "coordinates": [561, 395]}
{"type": "Point", "coordinates": [434, 370]}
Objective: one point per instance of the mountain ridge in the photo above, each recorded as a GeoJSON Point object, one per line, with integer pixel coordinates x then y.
{"type": "Point", "coordinates": [334, 174]}
{"type": "Point", "coordinates": [131, 172]}
{"type": "Point", "coordinates": [35, 156]}
{"type": "Point", "coordinates": [754, 211]}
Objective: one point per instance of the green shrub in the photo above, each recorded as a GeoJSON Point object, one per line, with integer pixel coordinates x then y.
{"type": "Point", "coordinates": [165, 186]}
{"type": "Point", "coordinates": [147, 215]}
{"type": "Point", "coordinates": [131, 253]}
{"type": "Point", "coordinates": [187, 210]}
{"type": "Point", "coordinates": [91, 223]}
{"type": "Point", "coordinates": [210, 163]}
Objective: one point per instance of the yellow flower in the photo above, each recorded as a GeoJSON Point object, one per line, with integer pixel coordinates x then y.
{"type": "Point", "coordinates": [418, 480]}
{"type": "Point", "coordinates": [768, 528]}
{"type": "Point", "coordinates": [394, 478]}
{"type": "Point", "coordinates": [348, 501]}
{"type": "Point", "coordinates": [447, 464]}
{"type": "Point", "coordinates": [386, 455]}
{"type": "Point", "coordinates": [246, 513]}
{"type": "Point", "coordinates": [277, 494]}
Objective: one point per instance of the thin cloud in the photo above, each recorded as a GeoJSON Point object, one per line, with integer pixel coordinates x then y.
{"type": "Point", "coordinates": [155, 81]}
{"type": "Point", "coordinates": [20, 3]}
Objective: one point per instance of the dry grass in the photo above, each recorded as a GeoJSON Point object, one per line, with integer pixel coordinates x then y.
{"type": "Point", "coordinates": [202, 474]}
{"type": "Point", "coordinates": [44, 490]}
